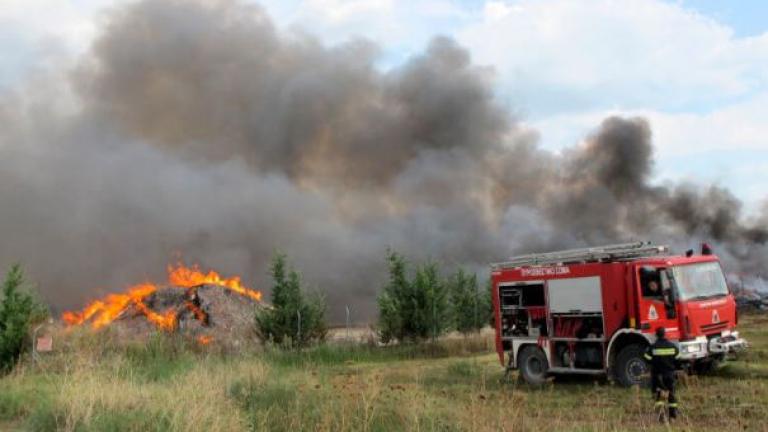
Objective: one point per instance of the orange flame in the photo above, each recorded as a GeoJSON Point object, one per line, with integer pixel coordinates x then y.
{"type": "Point", "coordinates": [192, 276]}
{"type": "Point", "coordinates": [102, 312]}
{"type": "Point", "coordinates": [204, 340]}
{"type": "Point", "coordinates": [110, 307]}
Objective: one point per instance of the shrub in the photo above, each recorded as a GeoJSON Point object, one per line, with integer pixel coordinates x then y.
{"type": "Point", "coordinates": [295, 318]}
{"type": "Point", "coordinates": [18, 311]}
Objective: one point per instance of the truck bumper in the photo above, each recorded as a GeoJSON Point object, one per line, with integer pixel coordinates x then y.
{"type": "Point", "coordinates": [702, 347]}
{"type": "Point", "coordinates": [727, 344]}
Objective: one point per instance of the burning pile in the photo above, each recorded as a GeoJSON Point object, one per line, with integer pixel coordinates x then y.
{"type": "Point", "coordinates": [192, 300]}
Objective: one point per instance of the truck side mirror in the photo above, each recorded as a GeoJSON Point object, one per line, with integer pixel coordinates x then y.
{"type": "Point", "coordinates": [669, 304]}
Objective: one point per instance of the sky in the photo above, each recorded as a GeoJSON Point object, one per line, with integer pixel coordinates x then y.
{"type": "Point", "coordinates": [697, 69]}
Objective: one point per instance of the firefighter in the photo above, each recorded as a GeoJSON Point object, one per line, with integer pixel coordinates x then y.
{"type": "Point", "coordinates": [662, 355]}
{"type": "Point", "coordinates": [653, 289]}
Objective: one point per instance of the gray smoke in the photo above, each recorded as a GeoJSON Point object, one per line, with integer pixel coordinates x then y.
{"type": "Point", "coordinates": [198, 128]}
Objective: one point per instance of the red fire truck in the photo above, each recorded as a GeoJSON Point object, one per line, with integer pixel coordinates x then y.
{"type": "Point", "coordinates": [595, 310]}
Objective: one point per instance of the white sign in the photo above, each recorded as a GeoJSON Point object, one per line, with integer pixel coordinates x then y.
{"type": "Point", "coordinates": [715, 317]}
{"type": "Point", "coordinates": [652, 314]}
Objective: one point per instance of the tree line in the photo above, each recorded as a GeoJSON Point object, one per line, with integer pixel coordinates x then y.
{"type": "Point", "coordinates": [416, 304]}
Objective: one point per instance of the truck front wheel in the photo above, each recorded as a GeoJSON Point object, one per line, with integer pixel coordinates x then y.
{"type": "Point", "coordinates": [533, 365]}
{"type": "Point", "coordinates": [630, 368]}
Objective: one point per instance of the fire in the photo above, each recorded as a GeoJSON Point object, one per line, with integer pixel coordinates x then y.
{"type": "Point", "coordinates": [106, 310]}
{"type": "Point", "coordinates": [204, 340]}
{"type": "Point", "coordinates": [102, 312]}
{"type": "Point", "coordinates": [192, 276]}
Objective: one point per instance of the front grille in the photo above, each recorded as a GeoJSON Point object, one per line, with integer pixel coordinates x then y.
{"type": "Point", "coordinates": [714, 327]}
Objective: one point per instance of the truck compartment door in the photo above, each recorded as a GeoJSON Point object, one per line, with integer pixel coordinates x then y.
{"type": "Point", "coordinates": [577, 295]}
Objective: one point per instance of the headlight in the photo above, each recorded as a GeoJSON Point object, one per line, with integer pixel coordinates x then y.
{"type": "Point", "coordinates": [692, 348]}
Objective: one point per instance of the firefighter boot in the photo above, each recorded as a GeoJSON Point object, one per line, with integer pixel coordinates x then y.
{"type": "Point", "coordinates": [672, 411]}
{"type": "Point", "coordinates": [672, 401]}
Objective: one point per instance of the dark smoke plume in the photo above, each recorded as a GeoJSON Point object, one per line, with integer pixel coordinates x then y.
{"type": "Point", "coordinates": [199, 128]}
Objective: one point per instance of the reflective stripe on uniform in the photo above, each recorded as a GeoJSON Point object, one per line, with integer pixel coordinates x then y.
{"type": "Point", "coordinates": [659, 403]}
{"type": "Point", "coordinates": [673, 405]}
{"type": "Point", "coordinates": [647, 357]}
{"type": "Point", "coordinates": [663, 352]}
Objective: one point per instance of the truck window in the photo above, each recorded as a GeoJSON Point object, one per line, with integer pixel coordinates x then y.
{"type": "Point", "coordinates": [658, 287]}
{"type": "Point", "coordinates": [651, 283]}
{"type": "Point", "coordinates": [700, 281]}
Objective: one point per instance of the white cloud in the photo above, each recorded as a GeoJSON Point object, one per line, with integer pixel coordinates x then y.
{"type": "Point", "coordinates": [565, 55]}
{"type": "Point", "coordinates": [402, 28]}
{"type": "Point", "coordinates": [737, 127]}
{"type": "Point", "coordinates": [497, 10]}
{"type": "Point", "coordinates": [72, 23]}
{"type": "Point", "coordinates": [37, 32]}
{"type": "Point", "coordinates": [344, 11]}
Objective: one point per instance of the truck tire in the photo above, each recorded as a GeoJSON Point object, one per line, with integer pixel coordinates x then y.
{"type": "Point", "coordinates": [630, 368]}
{"type": "Point", "coordinates": [533, 365]}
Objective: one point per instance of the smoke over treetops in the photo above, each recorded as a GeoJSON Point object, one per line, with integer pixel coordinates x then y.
{"type": "Point", "coordinates": [199, 128]}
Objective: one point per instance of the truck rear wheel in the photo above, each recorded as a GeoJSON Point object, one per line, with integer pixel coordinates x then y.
{"type": "Point", "coordinates": [533, 365]}
{"type": "Point", "coordinates": [630, 368]}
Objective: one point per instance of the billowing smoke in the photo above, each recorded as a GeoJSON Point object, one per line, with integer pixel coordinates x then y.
{"type": "Point", "coordinates": [198, 128]}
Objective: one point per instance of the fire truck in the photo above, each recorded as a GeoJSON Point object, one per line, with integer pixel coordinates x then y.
{"type": "Point", "coordinates": [595, 310]}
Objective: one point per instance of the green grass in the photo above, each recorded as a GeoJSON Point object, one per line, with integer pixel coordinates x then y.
{"type": "Point", "coordinates": [165, 384]}
{"type": "Point", "coordinates": [159, 359]}
{"type": "Point", "coordinates": [330, 355]}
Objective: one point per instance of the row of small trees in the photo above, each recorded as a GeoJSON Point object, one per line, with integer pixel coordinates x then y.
{"type": "Point", "coordinates": [416, 304]}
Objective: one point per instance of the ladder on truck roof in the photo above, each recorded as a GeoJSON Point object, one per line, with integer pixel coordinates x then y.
{"type": "Point", "coordinates": [623, 251]}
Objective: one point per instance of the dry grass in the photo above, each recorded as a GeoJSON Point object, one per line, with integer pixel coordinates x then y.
{"type": "Point", "coordinates": [93, 383]}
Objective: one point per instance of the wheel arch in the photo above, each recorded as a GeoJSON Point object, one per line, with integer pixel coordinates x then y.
{"type": "Point", "coordinates": [621, 339]}
{"type": "Point", "coordinates": [518, 348]}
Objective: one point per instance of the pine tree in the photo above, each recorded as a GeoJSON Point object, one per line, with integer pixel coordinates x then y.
{"type": "Point", "coordinates": [391, 300]}
{"type": "Point", "coordinates": [18, 311]}
{"type": "Point", "coordinates": [469, 312]}
{"type": "Point", "coordinates": [411, 310]}
{"type": "Point", "coordinates": [295, 319]}
{"type": "Point", "coordinates": [435, 311]}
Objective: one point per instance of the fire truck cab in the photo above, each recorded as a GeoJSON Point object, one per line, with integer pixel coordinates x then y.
{"type": "Point", "coordinates": [595, 310]}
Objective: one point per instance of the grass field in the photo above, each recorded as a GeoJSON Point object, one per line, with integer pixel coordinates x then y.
{"type": "Point", "coordinates": [96, 384]}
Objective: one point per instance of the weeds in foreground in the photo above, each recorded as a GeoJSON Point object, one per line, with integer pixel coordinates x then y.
{"type": "Point", "coordinates": [164, 385]}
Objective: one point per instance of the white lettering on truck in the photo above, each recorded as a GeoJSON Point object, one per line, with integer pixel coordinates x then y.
{"type": "Point", "coordinates": [545, 271]}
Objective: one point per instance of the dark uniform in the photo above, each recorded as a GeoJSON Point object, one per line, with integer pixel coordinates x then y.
{"type": "Point", "coordinates": [662, 356]}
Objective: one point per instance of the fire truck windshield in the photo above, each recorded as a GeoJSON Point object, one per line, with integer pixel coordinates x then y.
{"type": "Point", "coordinates": [700, 281]}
